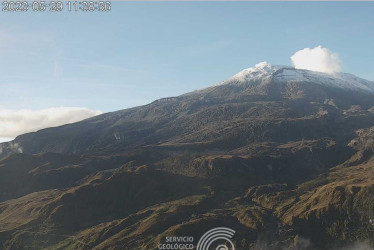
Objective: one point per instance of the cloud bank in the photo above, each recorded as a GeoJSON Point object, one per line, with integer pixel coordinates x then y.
{"type": "Point", "coordinates": [4, 139]}
{"type": "Point", "coordinates": [17, 122]}
{"type": "Point", "coordinates": [317, 59]}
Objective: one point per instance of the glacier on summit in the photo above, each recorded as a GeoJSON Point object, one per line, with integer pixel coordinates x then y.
{"type": "Point", "coordinates": [281, 73]}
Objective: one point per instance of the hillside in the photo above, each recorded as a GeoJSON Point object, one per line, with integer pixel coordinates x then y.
{"type": "Point", "coordinates": [282, 156]}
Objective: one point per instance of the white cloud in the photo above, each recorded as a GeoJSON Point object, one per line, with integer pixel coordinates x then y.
{"type": "Point", "coordinates": [317, 59]}
{"type": "Point", "coordinates": [17, 122]}
{"type": "Point", "coordinates": [4, 139]}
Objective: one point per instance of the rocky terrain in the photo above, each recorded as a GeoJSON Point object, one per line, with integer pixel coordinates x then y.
{"type": "Point", "coordinates": [284, 157]}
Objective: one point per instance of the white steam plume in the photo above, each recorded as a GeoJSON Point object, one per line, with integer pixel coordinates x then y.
{"type": "Point", "coordinates": [317, 59]}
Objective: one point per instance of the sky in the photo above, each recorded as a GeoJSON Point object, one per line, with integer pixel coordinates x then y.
{"type": "Point", "coordinates": [89, 63]}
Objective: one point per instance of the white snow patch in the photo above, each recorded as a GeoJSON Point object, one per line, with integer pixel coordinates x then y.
{"type": "Point", "coordinates": [264, 71]}
{"type": "Point", "coordinates": [339, 80]}
{"type": "Point", "coordinates": [261, 70]}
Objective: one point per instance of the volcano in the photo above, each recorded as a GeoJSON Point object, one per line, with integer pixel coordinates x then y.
{"type": "Point", "coordinates": [283, 156]}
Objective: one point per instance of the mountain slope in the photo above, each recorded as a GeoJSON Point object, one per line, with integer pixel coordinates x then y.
{"type": "Point", "coordinates": [251, 104]}
{"type": "Point", "coordinates": [282, 156]}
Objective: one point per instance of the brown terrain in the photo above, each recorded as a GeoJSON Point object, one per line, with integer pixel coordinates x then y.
{"type": "Point", "coordinates": [287, 164]}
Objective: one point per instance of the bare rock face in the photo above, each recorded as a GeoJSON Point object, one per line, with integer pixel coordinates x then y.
{"type": "Point", "coordinates": [282, 156]}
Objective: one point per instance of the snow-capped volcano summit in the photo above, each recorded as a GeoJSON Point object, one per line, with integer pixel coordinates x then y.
{"type": "Point", "coordinates": [260, 70]}
{"type": "Point", "coordinates": [281, 73]}
{"type": "Point", "coordinates": [264, 93]}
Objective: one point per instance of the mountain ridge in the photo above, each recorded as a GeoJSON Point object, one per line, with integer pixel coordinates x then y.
{"type": "Point", "coordinates": [262, 83]}
{"type": "Point", "coordinates": [265, 70]}
{"type": "Point", "coordinates": [281, 162]}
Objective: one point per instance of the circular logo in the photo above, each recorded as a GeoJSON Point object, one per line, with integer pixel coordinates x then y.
{"type": "Point", "coordinates": [215, 234]}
